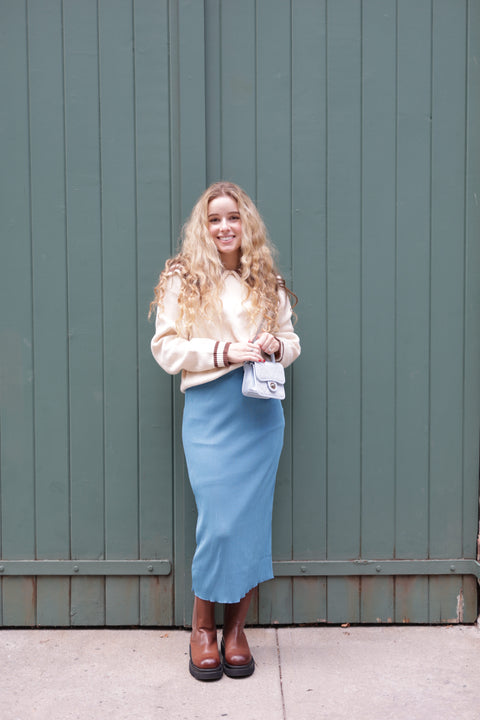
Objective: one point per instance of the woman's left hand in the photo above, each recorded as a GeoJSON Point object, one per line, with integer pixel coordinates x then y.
{"type": "Point", "coordinates": [268, 343]}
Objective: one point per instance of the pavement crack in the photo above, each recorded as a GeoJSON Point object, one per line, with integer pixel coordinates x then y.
{"type": "Point", "coordinates": [279, 659]}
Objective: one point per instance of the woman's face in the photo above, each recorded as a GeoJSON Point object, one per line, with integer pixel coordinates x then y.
{"type": "Point", "coordinates": [225, 228]}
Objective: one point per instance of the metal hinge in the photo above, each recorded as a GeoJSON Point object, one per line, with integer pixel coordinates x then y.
{"type": "Point", "coordinates": [339, 568]}
{"type": "Point", "coordinates": [85, 567]}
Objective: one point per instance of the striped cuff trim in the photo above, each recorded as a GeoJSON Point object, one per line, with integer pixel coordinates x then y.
{"type": "Point", "coordinates": [220, 354]}
{"type": "Point", "coordinates": [215, 354]}
{"type": "Point", "coordinates": [226, 361]}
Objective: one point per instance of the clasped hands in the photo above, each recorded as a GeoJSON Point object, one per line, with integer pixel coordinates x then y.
{"type": "Point", "coordinates": [251, 351]}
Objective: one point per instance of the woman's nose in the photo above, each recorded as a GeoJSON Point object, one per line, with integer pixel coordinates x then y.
{"type": "Point", "coordinates": [223, 223]}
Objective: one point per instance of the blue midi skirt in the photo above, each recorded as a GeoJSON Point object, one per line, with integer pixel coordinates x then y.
{"type": "Point", "coordinates": [232, 446]}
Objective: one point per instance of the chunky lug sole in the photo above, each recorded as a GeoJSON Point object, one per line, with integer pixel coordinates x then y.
{"type": "Point", "coordinates": [205, 673]}
{"type": "Point", "coordinates": [237, 671]}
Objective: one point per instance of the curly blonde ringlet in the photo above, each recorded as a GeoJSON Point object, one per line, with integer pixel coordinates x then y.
{"type": "Point", "coordinates": [200, 268]}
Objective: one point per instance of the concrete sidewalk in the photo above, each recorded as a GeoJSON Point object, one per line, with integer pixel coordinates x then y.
{"type": "Point", "coordinates": [307, 673]}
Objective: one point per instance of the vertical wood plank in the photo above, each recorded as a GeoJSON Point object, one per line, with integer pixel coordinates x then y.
{"type": "Point", "coordinates": [17, 469]}
{"type": "Point", "coordinates": [275, 602]}
{"type": "Point", "coordinates": [84, 272]}
{"type": "Point", "coordinates": [19, 601]}
{"type": "Point", "coordinates": [49, 287]}
{"type": "Point", "coordinates": [190, 94]}
{"type": "Point", "coordinates": [47, 162]}
{"type": "Point", "coordinates": [84, 266]}
{"type": "Point", "coordinates": [17, 382]}
{"type": "Point", "coordinates": [447, 280]}
{"type": "Point", "coordinates": [87, 601]}
{"type": "Point", "coordinates": [378, 282]}
{"type": "Point", "coordinates": [238, 93]}
{"type": "Point", "coordinates": [411, 600]}
{"type": "Point", "coordinates": [343, 298]}
{"type": "Point", "coordinates": [310, 600]}
{"type": "Point", "coordinates": [53, 602]}
{"type": "Point", "coordinates": [344, 279]}
{"type": "Point", "coordinates": [274, 110]}
{"type": "Point", "coordinates": [309, 375]}
{"type": "Point", "coordinates": [84, 258]}
{"type": "Point", "coordinates": [214, 10]}
{"type": "Point", "coordinates": [156, 601]}
{"type": "Point", "coordinates": [343, 600]}
{"type": "Point", "coordinates": [153, 228]}
{"type": "Point", "coordinates": [471, 386]}
{"type": "Point", "coordinates": [377, 600]}
{"type": "Point", "coordinates": [413, 299]}
{"type": "Point", "coordinates": [119, 300]}
{"type": "Point", "coordinates": [122, 601]}
{"type": "Point", "coordinates": [413, 277]}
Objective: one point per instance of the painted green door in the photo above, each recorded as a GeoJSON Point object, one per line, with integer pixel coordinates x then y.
{"type": "Point", "coordinates": [86, 418]}
{"type": "Point", "coordinates": [354, 125]}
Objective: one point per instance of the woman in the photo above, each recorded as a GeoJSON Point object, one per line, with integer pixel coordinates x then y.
{"type": "Point", "coordinates": [219, 303]}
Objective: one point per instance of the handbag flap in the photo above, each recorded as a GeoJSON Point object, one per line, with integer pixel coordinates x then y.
{"type": "Point", "coordinates": [269, 371]}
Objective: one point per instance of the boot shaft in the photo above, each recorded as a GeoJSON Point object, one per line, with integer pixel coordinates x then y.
{"type": "Point", "coordinates": [235, 614]}
{"type": "Point", "coordinates": [203, 617]}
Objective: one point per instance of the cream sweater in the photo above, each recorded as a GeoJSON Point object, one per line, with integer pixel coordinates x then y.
{"type": "Point", "coordinates": [203, 357]}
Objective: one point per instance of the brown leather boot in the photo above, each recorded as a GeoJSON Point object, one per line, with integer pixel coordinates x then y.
{"type": "Point", "coordinates": [237, 658]}
{"type": "Point", "coordinates": [205, 662]}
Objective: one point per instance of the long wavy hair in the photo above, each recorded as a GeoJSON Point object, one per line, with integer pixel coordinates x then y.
{"type": "Point", "coordinates": [200, 269]}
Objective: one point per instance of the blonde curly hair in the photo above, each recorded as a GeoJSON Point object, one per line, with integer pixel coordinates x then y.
{"type": "Point", "coordinates": [200, 268]}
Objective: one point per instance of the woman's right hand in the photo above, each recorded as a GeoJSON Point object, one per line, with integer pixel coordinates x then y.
{"type": "Point", "coordinates": [244, 352]}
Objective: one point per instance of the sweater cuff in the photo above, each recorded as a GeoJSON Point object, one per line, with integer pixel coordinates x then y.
{"type": "Point", "coordinates": [280, 352]}
{"type": "Point", "coordinates": [220, 354]}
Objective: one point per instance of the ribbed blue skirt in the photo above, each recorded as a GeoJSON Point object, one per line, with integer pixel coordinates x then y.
{"type": "Point", "coordinates": [232, 446]}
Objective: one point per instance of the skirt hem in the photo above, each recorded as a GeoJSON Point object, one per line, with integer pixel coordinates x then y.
{"type": "Point", "coordinates": [230, 602]}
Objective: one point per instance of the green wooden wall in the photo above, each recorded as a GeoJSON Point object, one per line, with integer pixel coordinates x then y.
{"type": "Point", "coordinates": [354, 125]}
